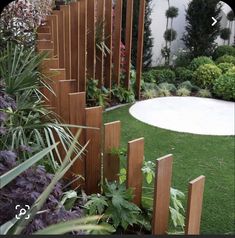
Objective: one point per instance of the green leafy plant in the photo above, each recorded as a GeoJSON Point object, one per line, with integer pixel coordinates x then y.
{"type": "Point", "coordinates": [116, 204]}
{"type": "Point", "coordinates": [188, 84]}
{"type": "Point", "coordinates": [149, 93]}
{"type": "Point", "coordinates": [122, 94]}
{"type": "Point", "coordinates": [204, 93]}
{"type": "Point", "coordinates": [96, 96]}
{"type": "Point", "coordinates": [206, 74]}
{"type": "Point", "coordinates": [223, 50]}
{"type": "Point", "coordinates": [167, 86]}
{"type": "Point", "coordinates": [226, 59]}
{"type": "Point", "coordinates": [183, 74]}
{"type": "Point", "coordinates": [225, 67]}
{"type": "Point", "coordinates": [170, 35]}
{"type": "Point", "coordinates": [224, 86]}
{"type": "Point", "coordinates": [166, 75]}
{"type": "Point", "coordinates": [183, 92]}
{"type": "Point", "coordinates": [150, 76]}
{"type": "Point", "coordinates": [183, 58]}
{"type": "Point", "coordinates": [197, 62]}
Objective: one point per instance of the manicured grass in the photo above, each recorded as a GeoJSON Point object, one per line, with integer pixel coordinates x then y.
{"type": "Point", "coordinates": [194, 155]}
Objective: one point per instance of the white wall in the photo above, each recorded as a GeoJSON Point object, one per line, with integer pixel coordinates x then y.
{"type": "Point", "coordinates": [158, 26]}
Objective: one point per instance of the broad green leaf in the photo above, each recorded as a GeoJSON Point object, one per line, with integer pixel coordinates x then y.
{"type": "Point", "coordinates": [7, 226]}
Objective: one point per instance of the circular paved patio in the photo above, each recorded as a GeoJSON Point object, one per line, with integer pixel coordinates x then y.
{"type": "Point", "coordinates": [195, 115]}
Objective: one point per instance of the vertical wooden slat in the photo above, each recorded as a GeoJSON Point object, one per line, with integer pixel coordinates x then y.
{"type": "Point", "coordinates": [93, 157]}
{"type": "Point", "coordinates": [44, 36]}
{"type": "Point", "coordinates": [82, 46]}
{"type": "Point", "coordinates": [54, 29]}
{"type": "Point", "coordinates": [128, 41]}
{"type": "Point", "coordinates": [99, 54]}
{"type": "Point", "coordinates": [77, 102]}
{"type": "Point", "coordinates": [162, 195]}
{"type": "Point", "coordinates": [67, 32]}
{"type": "Point", "coordinates": [44, 29]}
{"type": "Point", "coordinates": [194, 211]}
{"type": "Point", "coordinates": [47, 64]}
{"type": "Point", "coordinates": [74, 39]}
{"type": "Point", "coordinates": [91, 49]}
{"type": "Point", "coordinates": [108, 42]}
{"type": "Point", "coordinates": [111, 162]}
{"type": "Point", "coordinates": [44, 44]}
{"type": "Point", "coordinates": [65, 87]}
{"type": "Point", "coordinates": [139, 60]}
{"type": "Point", "coordinates": [135, 159]}
{"type": "Point", "coordinates": [117, 41]}
{"type": "Point", "coordinates": [61, 37]}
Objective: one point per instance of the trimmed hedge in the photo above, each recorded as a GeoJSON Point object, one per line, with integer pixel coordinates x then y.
{"type": "Point", "coordinates": [197, 62]}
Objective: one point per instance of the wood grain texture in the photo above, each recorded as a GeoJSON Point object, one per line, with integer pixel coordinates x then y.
{"type": "Point", "coordinates": [44, 36]}
{"type": "Point", "coordinates": [82, 46]}
{"type": "Point", "coordinates": [135, 159]}
{"type": "Point", "coordinates": [111, 162]}
{"type": "Point", "coordinates": [48, 64]}
{"type": "Point", "coordinates": [91, 49]}
{"type": "Point", "coordinates": [54, 31]}
{"type": "Point", "coordinates": [61, 37]}
{"type": "Point", "coordinates": [117, 41]}
{"type": "Point", "coordinates": [128, 41]}
{"type": "Point", "coordinates": [43, 29]}
{"type": "Point", "coordinates": [140, 43]}
{"type": "Point", "coordinates": [44, 44]}
{"type": "Point", "coordinates": [50, 52]}
{"type": "Point", "coordinates": [161, 200]}
{"type": "Point", "coordinates": [65, 87]}
{"type": "Point", "coordinates": [67, 32]}
{"type": "Point", "coordinates": [194, 211]}
{"type": "Point", "coordinates": [108, 42]}
{"type": "Point", "coordinates": [77, 103]}
{"type": "Point", "coordinates": [99, 53]}
{"type": "Point", "coordinates": [93, 157]}
{"type": "Point", "coordinates": [74, 39]}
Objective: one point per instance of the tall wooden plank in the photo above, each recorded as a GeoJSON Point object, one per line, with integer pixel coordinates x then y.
{"type": "Point", "coordinates": [44, 44]}
{"type": "Point", "coordinates": [47, 64]}
{"type": "Point", "coordinates": [128, 41]}
{"type": "Point", "coordinates": [54, 28]}
{"type": "Point", "coordinates": [111, 162]}
{"type": "Point", "coordinates": [117, 41]}
{"type": "Point", "coordinates": [139, 60]}
{"type": "Point", "coordinates": [44, 36]}
{"type": "Point", "coordinates": [194, 211]}
{"type": "Point", "coordinates": [44, 29]}
{"type": "Point", "coordinates": [82, 46]}
{"type": "Point", "coordinates": [108, 42]}
{"type": "Point", "coordinates": [93, 157]}
{"type": "Point", "coordinates": [67, 32]}
{"type": "Point", "coordinates": [135, 159]}
{"type": "Point", "coordinates": [100, 35]}
{"type": "Point", "coordinates": [77, 102]}
{"type": "Point", "coordinates": [162, 195]}
{"type": "Point", "coordinates": [65, 87]}
{"type": "Point", "coordinates": [61, 37]}
{"type": "Point", "coordinates": [91, 49]}
{"type": "Point", "coordinates": [74, 7]}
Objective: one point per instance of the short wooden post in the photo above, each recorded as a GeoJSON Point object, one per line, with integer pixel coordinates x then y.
{"type": "Point", "coordinates": [135, 159]}
{"type": "Point", "coordinates": [194, 211]}
{"type": "Point", "coordinates": [93, 157]}
{"type": "Point", "coordinates": [161, 201]}
{"type": "Point", "coordinates": [111, 162]}
{"type": "Point", "coordinates": [140, 43]}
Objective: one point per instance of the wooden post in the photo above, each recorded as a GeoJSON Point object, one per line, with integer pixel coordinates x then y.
{"type": "Point", "coordinates": [117, 41]}
{"type": "Point", "coordinates": [93, 157]}
{"type": "Point", "coordinates": [61, 37]}
{"type": "Point", "coordinates": [162, 195]}
{"type": "Point", "coordinates": [128, 41]}
{"type": "Point", "coordinates": [67, 33]}
{"type": "Point", "coordinates": [91, 49]}
{"type": "Point", "coordinates": [54, 28]}
{"type": "Point", "coordinates": [74, 8]}
{"type": "Point", "coordinates": [99, 53]}
{"type": "Point", "coordinates": [108, 42]}
{"type": "Point", "coordinates": [82, 46]}
{"type": "Point", "coordinates": [135, 159]}
{"type": "Point", "coordinates": [194, 211]}
{"type": "Point", "coordinates": [111, 163]}
{"type": "Point", "coordinates": [139, 60]}
{"type": "Point", "coordinates": [77, 102]}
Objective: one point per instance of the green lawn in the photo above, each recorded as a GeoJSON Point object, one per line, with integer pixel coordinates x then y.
{"type": "Point", "coordinates": [194, 155]}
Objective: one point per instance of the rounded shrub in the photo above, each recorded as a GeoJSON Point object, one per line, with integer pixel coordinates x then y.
{"type": "Point", "coordinates": [172, 12]}
{"type": "Point", "coordinates": [201, 60]}
{"type": "Point", "coordinates": [204, 93]}
{"type": "Point", "coordinates": [231, 71]}
{"type": "Point", "coordinates": [183, 74]}
{"type": "Point", "coordinates": [186, 84]}
{"type": "Point", "coordinates": [224, 50]}
{"type": "Point", "coordinates": [148, 77]}
{"type": "Point", "coordinates": [167, 86]}
{"type": "Point", "coordinates": [225, 67]}
{"type": "Point", "coordinates": [205, 75]}
{"type": "Point", "coordinates": [226, 59]}
{"type": "Point", "coordinates": [224, 86]}
{"type": "Point", "coordinates": [183, 59]}
{"type": "Point", "coordinates": [183, 92]}
{"type": "Point", "coordinates": [170, 35]}
{"type": "Point", "coordinates": [166, 75]}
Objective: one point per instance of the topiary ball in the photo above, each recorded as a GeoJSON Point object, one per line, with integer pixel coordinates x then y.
{"type": "Point", "coordinates": [205, 75]}
{"type": "Point", "coordinates": [170, 35]}
{"type": "Point", "coordinates": [226, 59]}
{"type": "Point", "coordinates": [223, 50]}
{"type": "Point", "coordinates": [225, 67]}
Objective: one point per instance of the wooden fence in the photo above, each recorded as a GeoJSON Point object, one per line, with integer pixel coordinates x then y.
{"type": "Point", "coordinates": [69, 35]}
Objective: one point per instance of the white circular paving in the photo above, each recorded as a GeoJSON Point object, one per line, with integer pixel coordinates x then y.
{"type": "Point", "coordinates": [195, 115]}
